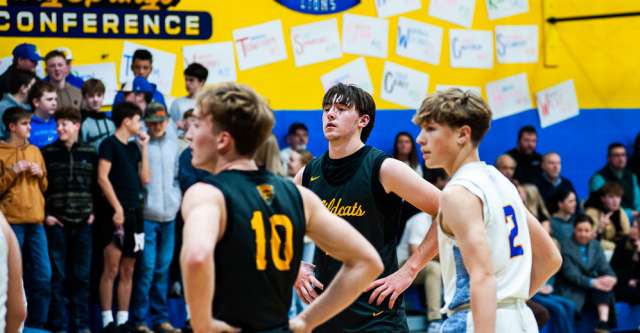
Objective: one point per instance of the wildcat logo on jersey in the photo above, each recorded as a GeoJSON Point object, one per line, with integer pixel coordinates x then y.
{"type": "Point", "coordinates": [266, 192]}
{"type": "Point", "coordinates": [337, 208]}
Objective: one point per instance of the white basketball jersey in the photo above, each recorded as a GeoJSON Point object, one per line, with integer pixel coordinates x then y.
{"type": "Point", "coordinates": [505, 220]}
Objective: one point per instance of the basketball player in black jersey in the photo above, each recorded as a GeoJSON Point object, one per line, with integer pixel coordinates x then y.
{"type": "Point", "coordinates": [244, 228]}
{"type": "Point", "coordinates": [365, 187]}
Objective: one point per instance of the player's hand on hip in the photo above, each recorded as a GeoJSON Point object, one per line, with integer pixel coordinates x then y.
{"type": "Point", "coordinates": [306, 283]}
{"type": "Point", "coordinates": [298, 325]}
{"type": "Point", "coordinates": [392, 285]}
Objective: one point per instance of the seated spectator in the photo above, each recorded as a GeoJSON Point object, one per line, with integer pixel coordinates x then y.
{"type": "Point", "coordinates": [150, 294]}
{"type": "Point", "coordinates": [25, 57]}
{"type": "Point", "coordinates": [23, 182]}
{"type": "Point", "coordinates": [563, 209]}
{"type": "Point", "coordinates": [533, 201]}
{"type": "Point", "coordinates": [430, 276]}
{"type": "Point", "coordinates": [611, 223]}
{"type": "Point", "coordinates": [195, 76]}
{"type": "Point", "coordinates": [626, 264]}
{"type": "Point", "coordinates": [71, 167]}
{"type": "Point", "coordinates": [527, 159]}
{"type": "Point", "coordinates": [586, 277]}
{"type": "Point", "coordinates": [73, 80]}
{"type": "Point", "coordinates": [142, 66]}
{"type": "Point", "coordinates": [268, 156]}
{"type": "Point", "coordinates": [550, 180]}
{"type": "Point", "coordinates": [297, 161]}
{"type": "Point", "coordinates": [57, 69]}
{"type": "Point", "coordinates": [96, 126]}
{"type": "Point", "coordinates": [20, 82]}
{"type": "Point", "coordinates": [405, 150]}
{"type": "Point", "coordinates": [506, 165]}
{"type": "Point", "coordinates": [634, 161]}
{"type": "Point", "coordinates": [616, 171]}
{"type": "Point", "coordinates": [43, 123]}
{"type": "Point", "coordinates": [297, 139]}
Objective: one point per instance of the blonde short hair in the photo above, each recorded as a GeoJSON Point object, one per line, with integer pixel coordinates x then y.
{"type": "Point", "coordinates": [456, 108]}
{"type": "Point", "coordinates": [239, 110]}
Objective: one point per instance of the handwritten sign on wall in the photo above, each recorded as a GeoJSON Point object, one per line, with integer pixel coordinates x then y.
{"type": "Point", "coordinates": [557, 103]}
{"type": "Point", "coordinates": [315, 42]}
{"type": "Point", "coordinates": [471, 48]}
{"type": "Point", "coordinates": [386, 8]}
{"type": "Point", "coordinates": [260, 44]}
{"type": "Point", "coordinates": [509, 96]}
{"type": "Point", "coordinates": [403, 85]}
{"type": "Point", "coordinates": [503, 8]}
{"type": "Point", "coordinates": [419, 41]}
{"type": "Point", "coordinates": [218, 58]}
{"type": "Point", "coordinates": [354, 72]}
{"type": "Point", "coordinates": [455, 11]}
{"type": "Point", "coordinates": [365, 35]}
{"type": "Point", "coordinates": [517, 44]}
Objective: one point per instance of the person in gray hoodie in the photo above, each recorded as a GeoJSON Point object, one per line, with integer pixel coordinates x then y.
{"type": "Point", "coordinates": [161, 206]}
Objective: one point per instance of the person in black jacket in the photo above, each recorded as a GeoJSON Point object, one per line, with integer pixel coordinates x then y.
{"type": "Point", "coordinates": [626, 264]}
{"type": "Point", "coordinates": [528, 160]}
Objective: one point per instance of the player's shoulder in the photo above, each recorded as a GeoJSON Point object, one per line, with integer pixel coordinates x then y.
{"type": "Point", "coordinates": [202, 192]}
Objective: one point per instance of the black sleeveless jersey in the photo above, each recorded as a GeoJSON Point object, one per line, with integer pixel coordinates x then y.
{"type": "Point", "coordinates": [258, 257]}
{"type": "Point", "coordinates": [350, 188]}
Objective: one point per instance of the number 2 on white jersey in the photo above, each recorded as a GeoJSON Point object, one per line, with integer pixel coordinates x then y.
{"type": "Point", "coordinates": [510, 218]}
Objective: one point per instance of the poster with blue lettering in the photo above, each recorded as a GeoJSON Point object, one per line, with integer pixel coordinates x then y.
{"type": "Point", "coordinates": [403, 85]}
{"type": "Point", "coordinates": [503, 8]}
{"type": "Point", "coordinates": [455, 11]}
{"type": "Point", "coordinates": [260, 44]}
{"type": "Point", "coordinates": [471, 48]}
{"type": "Point", "coordinates": [365, 35]}
{"type": "Point", "coordinates": [387, 8]}
{"type": "Point", "coordinates": [105, 72]}
{"type": "Point", "coordinates": [419, 41]}
{"type": "Point", "coordinates": [509, 96]}
{"type": "Point", "coordinates": [218, 58]}
{"type": "Point", "coordinates": [164, 64]}
{"type": "Point", "coordinates": [557, 103]}
{"type": "Point", "coordinates": [354, 72]}
{"type": "Point", "coordinates": [474, 90]}
{"type": "Point", "coordinates": [315, 42]}
{"type": "Point", "coordinates": [516, 44]}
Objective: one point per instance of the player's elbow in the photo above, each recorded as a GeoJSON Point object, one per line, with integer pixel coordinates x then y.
{"type": "Point", "coordinates": [17, 315]}
{"type": "Point", "coordinates": [373, 263]}
{"type": "Point", "coordinates": [554, 262]}
{"type": "Point", "coordinates": [194, 257]}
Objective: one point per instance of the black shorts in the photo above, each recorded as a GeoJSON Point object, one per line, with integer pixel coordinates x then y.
{"type": "Point", "coordinates": [352, 320]}
{"type": "Point", "coordinates": [130, 240]}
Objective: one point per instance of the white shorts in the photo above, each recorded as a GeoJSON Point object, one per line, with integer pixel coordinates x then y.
{"type": "Point", "coordinates": [514, 318]}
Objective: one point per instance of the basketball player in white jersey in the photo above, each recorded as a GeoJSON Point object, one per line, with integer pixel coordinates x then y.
{"type": "Point", "coordinates": [493, 253]}
{"type": "Point", "coordinates": [13, 305]}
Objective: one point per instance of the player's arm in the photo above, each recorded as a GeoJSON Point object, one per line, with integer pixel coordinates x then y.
{"type": "Point", "coordinates": [398, 178]}
{"type": "Point", "coordinates": [462, 215]}
{"type": "Point", "coordinates": [546, 258]}
{"type": "Point", "coordinates": [203, 212]}
{"type": "Point", "coordinates": [360, 262]}
{"type": "Point", "coordinates": [16, 302]}
{"type": "Point", "coordinates": [298, 177]}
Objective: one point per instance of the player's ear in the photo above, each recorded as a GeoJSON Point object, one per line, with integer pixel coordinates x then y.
{"type": "Point", "coordinates": [224, 141]}
{"type": "Point", "coordinates": [364, 121]}
{"type": "Point", "coordinates": [464, 135]}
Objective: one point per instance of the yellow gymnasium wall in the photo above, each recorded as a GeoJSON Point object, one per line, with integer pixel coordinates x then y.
{"type": "Point", "coordinates": [600, 56]}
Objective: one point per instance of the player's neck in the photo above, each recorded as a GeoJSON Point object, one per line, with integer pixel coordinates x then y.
{"type": "Point", "coordinates": [468, 154]}
{"type": "Point", "coordinates": [343, 148]}
{"type": "Point", "coordinates": [235, 163]}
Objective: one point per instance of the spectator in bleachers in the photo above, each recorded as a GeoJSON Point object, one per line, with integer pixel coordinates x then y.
{"type": "Point", "coordinates": [430, 276]}
{"type": "Point", "coordinates": [142, 66]}
{"type": "Point", "coordinates": [616, 171]}
{"type": "Point", "coordinates": [123, 169]}
{"type": "Point", "coordinates": [610, 221]}
{"type": "Point", "coordinates": [405, 150]}
{"type": "Point", "coordinates": [550, 180]}
{"type": "Point", "coordinates": [527, 159]}
{"type": "Point", "coordinates": [96, 126]}
{"type": "Point", "coordinates": [297, 139]}
{"type": "Point", "coordinates": [195, 76]}
{"type": "Point", "coordinates": [138, 91]}
{"type": "Point", "coordinates": [626, 264]}
{"type": "Point", "coordinates": [20, 82]}
{"type": "Point", "coordinates": [188, 119]}
{"type": "Point", "coordinates": [268, 157]}
{"type": "Point", "coordinates": [25, 57]}
{"type": "Point", "coordinates": [58, 69]}
{"type": "Point", "coordinates": [563, 206]}
{"type": "Point", "coordinates": [71, 167]}
{"type": "Point", "coordinates": [298, 160]}
{"type": "Point", "coordinates": [533, 201]}
{"type": "Point", "coordinates": [506, 165]}
{"type": "Point", "coordinates": [586, 277]}
{"type": "Point", "coordinates": [162, 202]}
{"type": "Point", "coordinates": [634, 161]}
{"type": "Point", "coordinates": [23, 181]}
{"type": "Point", "coordinates": [73, 80]}
{"type": "Point", "coordinates": [43, 98]}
